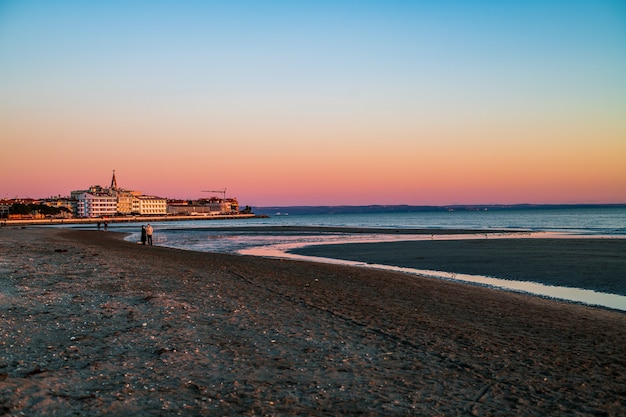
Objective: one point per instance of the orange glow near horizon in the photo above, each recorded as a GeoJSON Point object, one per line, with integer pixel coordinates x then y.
{"type": "Point", "coordinates": [364, 169]}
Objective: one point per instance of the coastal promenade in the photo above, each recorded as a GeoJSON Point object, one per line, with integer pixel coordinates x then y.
{"type": "Point", "coordinates": [124, 219]}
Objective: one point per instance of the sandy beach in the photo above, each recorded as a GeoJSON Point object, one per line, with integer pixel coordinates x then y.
{"type": "Point", "coordinates": [93, 325]}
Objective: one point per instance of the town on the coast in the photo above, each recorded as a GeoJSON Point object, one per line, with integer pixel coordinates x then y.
{"type": "Point", "coordinates": [116, 203]}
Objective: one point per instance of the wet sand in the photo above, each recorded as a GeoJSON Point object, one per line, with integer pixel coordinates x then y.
{"type": "Point", "coordinates": [94, 325]}
{"type": "Point", "coordinates": [592, 263]}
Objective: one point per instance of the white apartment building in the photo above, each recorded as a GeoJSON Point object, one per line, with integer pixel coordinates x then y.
{"type": "Point", "coordinates": [98, 201]}
{"type": "Point", "coordinates": [107, 205]}
{"type": "Point", "coordinates": [96, 205]}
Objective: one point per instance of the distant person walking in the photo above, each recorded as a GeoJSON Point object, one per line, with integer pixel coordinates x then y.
{"type": "Point", "coordinates": [143, 235]}
{"type": "Point", "coordinates": [149, 234]}
{"type": "Point", "coordinates": [106, 226]}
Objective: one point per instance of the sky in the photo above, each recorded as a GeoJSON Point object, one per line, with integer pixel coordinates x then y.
{"type": "Point", "coordinates": [316, 102]}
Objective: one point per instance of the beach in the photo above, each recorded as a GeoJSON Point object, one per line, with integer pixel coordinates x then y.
{"type": "Point", "coordinates": [94, 325]}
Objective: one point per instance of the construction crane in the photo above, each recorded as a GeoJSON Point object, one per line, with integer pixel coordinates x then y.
{"type": "Point", "coordinates": [223, 192]}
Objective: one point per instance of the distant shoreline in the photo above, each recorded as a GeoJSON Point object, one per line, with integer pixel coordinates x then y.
{"type": "Point", "coordinates": [406, 208]}
{"type": "Point", "coordinates": [124, 219]}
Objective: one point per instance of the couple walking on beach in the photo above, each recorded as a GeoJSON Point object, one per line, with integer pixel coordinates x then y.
{"type": "Point", "coordinates": [146, 234]}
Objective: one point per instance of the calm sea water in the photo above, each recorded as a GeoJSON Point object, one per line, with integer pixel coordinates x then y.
{"type": "Point", "coordinates": [205, 235]}
{"type": "Point", "coordinates": [213, 236]}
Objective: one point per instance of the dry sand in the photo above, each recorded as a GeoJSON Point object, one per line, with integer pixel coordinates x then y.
{"type": "Point", "coordinates": [93, 325]}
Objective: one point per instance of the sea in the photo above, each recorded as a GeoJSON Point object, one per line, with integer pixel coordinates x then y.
{"type": "Point", "coordinates": [278, 233]}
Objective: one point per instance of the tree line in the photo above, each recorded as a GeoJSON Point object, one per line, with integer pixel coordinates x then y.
{"type": "Point", "coordinates": [20, 208]}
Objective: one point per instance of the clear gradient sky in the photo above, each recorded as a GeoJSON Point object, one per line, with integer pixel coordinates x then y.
{"type": "Point", "coordinates": [316, 102]}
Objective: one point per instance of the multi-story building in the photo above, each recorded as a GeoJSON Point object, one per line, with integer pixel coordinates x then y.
{"type": "Point", "coordinates": [99, 201]}
{"type": "Point", "coordinates": [111, 204]}
{"type": "Point", "coordinates": [96, 205]}
{"type": "Point", "coordinates": [126, 201]}
{"type": "Point", "coordinates": [5, 205]}
{"type": "Point", "coordinates": [211, 206]}
{"type": "Point", "coordinates": [151, 205]}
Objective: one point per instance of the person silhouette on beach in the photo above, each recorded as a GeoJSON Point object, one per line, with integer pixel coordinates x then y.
{"type": "Point", "coordinates": [149, 234]}
{"type": "Point", "coordinates": [143, 235]}
{"type": "Point", "coordinates": [106, 226]}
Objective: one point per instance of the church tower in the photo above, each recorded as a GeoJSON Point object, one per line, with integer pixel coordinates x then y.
{"type": "Point", "coordinates": [113, 182]}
